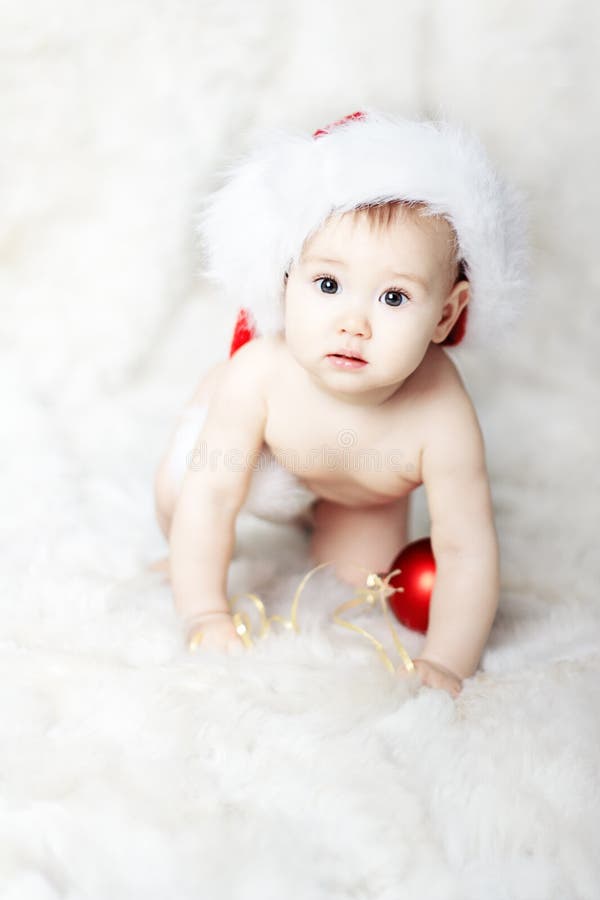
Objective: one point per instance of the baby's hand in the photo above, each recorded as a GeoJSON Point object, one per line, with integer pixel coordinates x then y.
{"type": "Point", "coordinates": [437, 676]}
{"type": "Point", "coordinates": [213, 631]}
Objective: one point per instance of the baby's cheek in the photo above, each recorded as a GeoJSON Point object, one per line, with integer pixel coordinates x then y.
{"type": "Point", "coordinates": [300, 329]}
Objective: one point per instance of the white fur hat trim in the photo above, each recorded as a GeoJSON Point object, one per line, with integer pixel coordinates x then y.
{"type": "Point", "coordinates": [285, 189]}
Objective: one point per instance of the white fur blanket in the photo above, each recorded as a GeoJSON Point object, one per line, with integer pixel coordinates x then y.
{"type": "Point", "coordinates": [302, 769]}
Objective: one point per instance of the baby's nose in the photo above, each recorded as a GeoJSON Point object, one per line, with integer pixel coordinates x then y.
{"type": "Point", "coordinates": [356, 324]}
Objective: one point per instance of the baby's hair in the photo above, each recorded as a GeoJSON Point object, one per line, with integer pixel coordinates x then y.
{"type": "Point", "coordinates": [381, 216]}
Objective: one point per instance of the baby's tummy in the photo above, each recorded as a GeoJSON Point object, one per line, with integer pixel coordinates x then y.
{"type": "Point", "coordinates": [355, 480]}
{"type": "Point", "coordinates": [356, 493]}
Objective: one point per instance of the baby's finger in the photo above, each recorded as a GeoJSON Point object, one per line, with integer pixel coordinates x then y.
{"type": "Point", "coordinates": [433, 677]}
{"type": "Point", "coordinates": [453, 687]}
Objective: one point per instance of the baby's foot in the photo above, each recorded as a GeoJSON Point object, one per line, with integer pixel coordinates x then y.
{"type": "Point", "coordinates": [214, 631]}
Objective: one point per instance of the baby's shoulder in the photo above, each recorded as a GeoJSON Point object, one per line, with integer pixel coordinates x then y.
{"type": "Point", "coordinates": [254, 363]}
{"type": "Point", "coordinates": [451, 436]}
{"type": "Point", "coordinates": [444, 400]}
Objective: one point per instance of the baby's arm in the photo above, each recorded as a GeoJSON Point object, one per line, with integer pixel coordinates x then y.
{"type": "Point", "coordinates": [463, 538]}
{"type": "Point", "coordinates": [202, 531]}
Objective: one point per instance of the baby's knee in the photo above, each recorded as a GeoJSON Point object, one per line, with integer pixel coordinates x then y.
{"type": "Point", "coordinates": [359, 540]}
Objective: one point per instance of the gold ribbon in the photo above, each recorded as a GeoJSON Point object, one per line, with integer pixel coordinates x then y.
{"type": "Point", "coordinates": [242, 622]}
{"type": "Point", "coordinates": [376, 591]}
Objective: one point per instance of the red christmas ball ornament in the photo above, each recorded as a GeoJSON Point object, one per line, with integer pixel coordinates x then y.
{"type": "Point", "coordinates": [416, 578]}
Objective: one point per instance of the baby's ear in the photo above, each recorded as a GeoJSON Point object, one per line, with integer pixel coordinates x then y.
{"type": "Point", "coordinates": [453, 307]}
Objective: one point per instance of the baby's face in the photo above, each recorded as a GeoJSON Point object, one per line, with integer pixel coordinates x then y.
{"type": "Point", "coordinates": [377, 294]}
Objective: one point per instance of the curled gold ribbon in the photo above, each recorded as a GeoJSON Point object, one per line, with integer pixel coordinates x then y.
{"type": "Point", "coordinates": [242, 622]}
{"type": "Point", "coordinates": [376, 591]}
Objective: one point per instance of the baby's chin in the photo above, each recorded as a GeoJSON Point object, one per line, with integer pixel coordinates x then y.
{"type": "Point", "coordinates": [366, 377]}
{"type": "Point", "coordinates": [358, 386]}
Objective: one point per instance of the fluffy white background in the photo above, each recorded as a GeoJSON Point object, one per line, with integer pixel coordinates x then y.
{"type": "Point", "coordinates": [127, 768]}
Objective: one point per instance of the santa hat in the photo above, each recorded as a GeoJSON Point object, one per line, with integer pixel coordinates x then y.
{"type": "Point", "coordinates": [279, 194]}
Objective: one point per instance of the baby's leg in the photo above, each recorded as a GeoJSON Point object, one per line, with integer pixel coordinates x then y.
{"type": "Point", "coordinates": [370, 537]}
{"type": "Point", "coordinates": [209, 629]}
{"type": "Point", "coordinates": [166, 484]}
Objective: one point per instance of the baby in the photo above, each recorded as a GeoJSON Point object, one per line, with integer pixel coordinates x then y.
{"type": "Point", "coordinates": [356, 254]}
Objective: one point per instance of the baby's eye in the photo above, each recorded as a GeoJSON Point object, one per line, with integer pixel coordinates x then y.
{"type": "Point", "coordinates": [394, 298]}
{"type": "Point", "coordinates": [328, 285]}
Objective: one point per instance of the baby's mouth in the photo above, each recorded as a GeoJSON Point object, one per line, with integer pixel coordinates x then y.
{"type": "Point", "coordinates": [347, 355]}
{"type": "Point", "coordinates": [347, 360]}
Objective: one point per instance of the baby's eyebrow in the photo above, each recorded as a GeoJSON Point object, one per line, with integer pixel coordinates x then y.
{"type": "Point", "coordinates": [325, 259]}
{"type": "Point", "coordinates": [340, 262]}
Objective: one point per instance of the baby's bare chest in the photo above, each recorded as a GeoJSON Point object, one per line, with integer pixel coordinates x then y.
{"type": "Point", "coordinates": [346, 456]}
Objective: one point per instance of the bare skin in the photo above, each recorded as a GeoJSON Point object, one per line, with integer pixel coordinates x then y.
{"type": "Point", "coordinates": [362, 438]}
